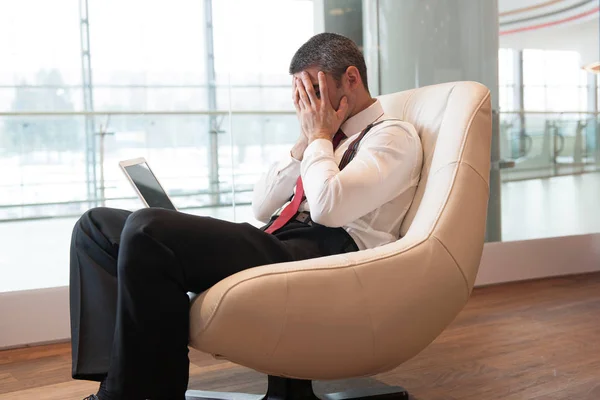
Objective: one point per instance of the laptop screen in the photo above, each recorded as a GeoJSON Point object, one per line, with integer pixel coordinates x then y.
{"type": "Point", "coordinates": [148, 186]}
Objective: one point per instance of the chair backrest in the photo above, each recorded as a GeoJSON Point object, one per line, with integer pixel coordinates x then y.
{"type": "Point", "coordinates": [454, 123]}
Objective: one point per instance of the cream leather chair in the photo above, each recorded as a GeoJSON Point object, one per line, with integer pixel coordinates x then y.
{"type": "Point", "coordinates": [367, 312]}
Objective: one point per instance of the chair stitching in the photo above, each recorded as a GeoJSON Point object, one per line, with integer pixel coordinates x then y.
{"type": "Point", "coordinates": [410, 96]}
{"type": "Point", "coordinates": [285, 317]}
{"type": "Point", "coordinates": [362, 289]}
{"type": "Point", "coordinates": [460, 156]}
{"type": "Point", "coordinates": [463, 163]}
{"type": "Point", "coordinates": [465, 280]}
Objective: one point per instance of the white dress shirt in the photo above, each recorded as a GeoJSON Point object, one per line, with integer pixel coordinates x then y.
{"type": "Point", "coordinates": [369, 197]}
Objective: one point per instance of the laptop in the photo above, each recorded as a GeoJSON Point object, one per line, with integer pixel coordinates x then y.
{"type": "Point", "coordinates": [146, 184]}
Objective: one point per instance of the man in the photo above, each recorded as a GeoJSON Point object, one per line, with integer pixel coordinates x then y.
{"type": "Point", "coordinates": [349, 188]}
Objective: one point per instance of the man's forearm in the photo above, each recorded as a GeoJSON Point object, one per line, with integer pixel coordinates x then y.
{"type": "Point", "coordinates": [298, 149]}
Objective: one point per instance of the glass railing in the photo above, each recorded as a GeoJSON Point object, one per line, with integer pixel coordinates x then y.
{"type": "Point", "coordinates": [61, 164]}
{"type": "Point", "coordinates": [545, 144]}
{"type": "Point", "coordinates": [50, 169]}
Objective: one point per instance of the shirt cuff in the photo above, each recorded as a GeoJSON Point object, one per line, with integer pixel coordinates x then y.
{"type": "Point", "coordinates": [319, 147]}
{"type": "Point", "coordinates": [288, 165]}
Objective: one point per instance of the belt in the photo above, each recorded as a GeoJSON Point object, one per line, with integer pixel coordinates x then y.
{"type": "Point", "coordinates": [303, 217]}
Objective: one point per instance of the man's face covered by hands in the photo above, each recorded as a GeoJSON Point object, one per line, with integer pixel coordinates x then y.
{"type": "Point", "coordinates": [334, 88]}
{"type": "Point", "coordinates": [321, 103]}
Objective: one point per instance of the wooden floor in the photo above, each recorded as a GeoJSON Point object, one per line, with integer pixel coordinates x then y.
{"type": "Point", "coordinates": [533, 340]}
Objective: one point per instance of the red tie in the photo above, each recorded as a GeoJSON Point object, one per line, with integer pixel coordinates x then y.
{"type": "Point", "coordinates": [291, 209]}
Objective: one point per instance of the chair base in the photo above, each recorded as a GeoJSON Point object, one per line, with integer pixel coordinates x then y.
{"type": "Point", "coordinates": [297, 389]}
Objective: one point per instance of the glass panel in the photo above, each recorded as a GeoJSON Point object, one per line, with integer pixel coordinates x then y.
{"type": "Point", "coordinates": [564, 98]}
{"type": "Point", "coordinates": [506, 70]}
{"type": "Point", "coordinates": [176, 147]}
{"type": "Point", "coordinates": [151, 98]}
{"type": "Point", "coordinates": [510, 146]}
{"type": "Point", "coordinates": [507, 97]}
{"type": "Point", "coordinates": [40, 157]}
{"type": "Point", "coordinates": [42, 163]}
{"type": "Point", "coordinates": [560, 144]}
{"type": "Point", "coordinates": [556, 140]}
{"type": "Point", "coordinates": [259, 141]}
{"type": "Point", "coordinates": [272, 32]}
{"type": "Point", "coordinates": [46, 39]}
{"type": "Point", "coordinates": [41, 98]}
{"type": "Point", "coordinates": [256, 98]}
{"type": "Point", "coordinates": [256, 65]}
{"type": "Point", "coordinates": [559, 62]}
{"type": "Point", "coordinates": [534, 98]}
{"type": "Point", "coordinates": [534, 67]}
{"type": "Point", "coordinates": [143, 60]}
{"type": "Point", "coordinates": [138, 42]}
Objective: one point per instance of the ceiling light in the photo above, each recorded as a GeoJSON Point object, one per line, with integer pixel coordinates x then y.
{"type": "Point", "coordinates": [593, 67]}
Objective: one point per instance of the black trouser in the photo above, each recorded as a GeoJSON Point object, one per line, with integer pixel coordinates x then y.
{"type": "Point", "coordinates": [130, 274]}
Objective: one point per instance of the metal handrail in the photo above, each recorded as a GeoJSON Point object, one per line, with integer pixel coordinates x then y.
{"type": "Point", "coordinates": [44, 217]}
{"type": "Point", "coordinates": [147, 86]}
{"type": "Point", "coordinates": [164, 178]}
{"type": "Point", "coordinates": [97, 200]}
{"type": "Point", "coordinates": [117, 112]}
{"type": "Point", "coordinates": [226, 112]}
{"type": "Point", "coordinates": [520, 112]}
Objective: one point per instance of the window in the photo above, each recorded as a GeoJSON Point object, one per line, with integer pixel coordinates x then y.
{"type": "Point", "coordinates": [554, 81]}
{"type": "Point", "coordinates": [506, 79]}
{"type": "Point", "coordinates": [149, 63]}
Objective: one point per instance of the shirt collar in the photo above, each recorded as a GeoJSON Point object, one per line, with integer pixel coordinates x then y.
{"type": "Point", "coordinates": [358, 122]}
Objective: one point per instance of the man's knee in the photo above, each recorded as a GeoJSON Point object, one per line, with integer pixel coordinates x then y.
{"type": "Point", "coordinates": [87, 223]}
{"type": "Point", "coordinates": [100, 225]}
{"type": "Point", "coordinates": [143, 228]}
{"type": "Point", "coordinates": [92, 217]}
{"type": "Point", "coordinates": [146, 220]}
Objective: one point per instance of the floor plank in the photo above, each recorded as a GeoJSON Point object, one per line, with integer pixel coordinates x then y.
{"type": "Point", "coordinates": [533, 340]}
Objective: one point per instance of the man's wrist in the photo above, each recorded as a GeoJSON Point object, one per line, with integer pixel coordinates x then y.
{"type": "Point", "coordinates": [317, 137]}
{"type": "Point", "coordinates": [297, 151]}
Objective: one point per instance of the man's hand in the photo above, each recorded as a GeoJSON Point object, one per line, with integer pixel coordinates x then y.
{"type": "Point", "coordinates": [317, 117]}
{"type": "Point", "coordinates": [302, 142]}
{"type": "Point", "coordinates": [296, 100]}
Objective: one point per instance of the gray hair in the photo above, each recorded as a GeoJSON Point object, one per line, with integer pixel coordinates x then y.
{"type": "Point", "coordinates": [331, 53]}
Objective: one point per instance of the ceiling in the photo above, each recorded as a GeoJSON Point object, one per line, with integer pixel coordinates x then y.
{"type": "Point", "coordinates": [551, 24]}
{"type": "Point", "coordinates": [526, 15]}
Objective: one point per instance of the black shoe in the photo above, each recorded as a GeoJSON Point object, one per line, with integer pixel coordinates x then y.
{"type": "Point", "coordinates": [92, 397]}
